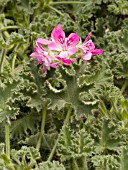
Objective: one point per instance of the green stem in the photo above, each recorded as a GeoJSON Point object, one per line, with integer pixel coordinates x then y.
{"type": "Point", "coordinates": [14, 57]}
{"type": "Point", "coordinates": [65, 123]}
{"type": "Point", "coordinates": [68, 116]}
{"type": "Point", "coordinates": [75, 164]}
{"type": "Point", "coordinates": [54, 9]}
{"type": "Point", "coordinates": [7, 140]}
{"type": "Point", "coordinates": [3, 54]}
{"type": "Point", "coordinates": [42, 127]}
{"type": "Point", "coordinates": [53, 150]}
{"type": "Point", "coordinates": [6, 34]}
{"type": "Point", "coordinates": [13, 62]}
{"type": "Point", "coordinates": [67, 2]}
{"type": "Point", "coordinates": [84, 163]}
{"type": "Point", "coordinates": [114, 108]}
{"type": "Point", "coordinates": [124, 86]}
{"type": "Point", "coordinates": [8, 27]}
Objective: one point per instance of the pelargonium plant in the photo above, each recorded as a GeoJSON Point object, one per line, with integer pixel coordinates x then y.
{"type": "Point", "coordinates": [59, 49]}
{"type": "Point", "coordinates": [66, 106]}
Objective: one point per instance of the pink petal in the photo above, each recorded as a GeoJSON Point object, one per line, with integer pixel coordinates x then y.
{"type": "Point", "coordinates": [74, 60]}
{"type": "Point", "coordinates": [63, 54]}
{"type": "Point", "coordinates": [58, 35]}
{"type": "Point", "coordinates": [65, 61]}
{"type": "Point", "coordinates": [54, 65]}
{"type": "Point", "coordinates": [88, 37]}
{"type": "Point", "coordinates": [43, 41]}
{"type": "Point", "coordinates": [38, 56]}
{"type": "Point", "coordinates": [96, 51]}
{"type": "Point", "coordinates": [72, 40]}
{"type": "Point", "coordinates": [72, 50]}
{"type": "Point", "coordinates": [44, 69]}
{"type": "Point", "coordinates": [37, 49]}
{"type": "Point", "coordinates": [87, 56]}
{"type": "Point", "coordinates": [47, 61]}
{"type": "Point", "coordinates": [54, 46]}
{"type": "Point", "coordinates": [90, 45]}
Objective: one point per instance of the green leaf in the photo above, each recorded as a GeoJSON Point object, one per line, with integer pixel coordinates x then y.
{"type": "Point", "coordinates": [108, 135]}
{"type": "Point", "coordinates": [15, 38]}
{"type": "Point", "coordinates": [119, 7]}
{"type": "Point", "coordinates": [55, 165]}
{"type": "Point", "coordinates": [108, 162]}
{"type": "Point", "coordinates": [6, 93]}
{"type": "Point", "coordinates": [25, 158]}
{"type": "Point", "coordinates": [74, 144]}
{"type": "Point", "coordinates": [123, 158]}
{"type": "Point", "coordinates": [21, 126]}
{"type": "Point", "coordinates": [81, 85]}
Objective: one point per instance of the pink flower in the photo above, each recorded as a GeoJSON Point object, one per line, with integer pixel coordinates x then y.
{"type": "Point", "coordinates": [66, 62]}
{"type": "Point", "coordinates": [60, 44]}
{"type": "Point", "coordinates": [66, 46]}
{"type": "Point", "coordinates": [88, 48]}
{"type": "Point", "coordinates": [58, 49]}
{"type": "Point", "coordinates": [39, 53]}
{"type": "Point", "coordinates": [42, 58]}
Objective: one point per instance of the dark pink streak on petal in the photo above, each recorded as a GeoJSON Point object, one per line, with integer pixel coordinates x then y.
{"type": "Point", "coordinates": [72, 40]}
{"type": "Point", "coordinates": [88, 37]}
{"type": "Point", "coordinates": [96, 51]}
{"type": "Point", "coordinates": [54, 65]}
{"type": "Point", "coordinates": [44, 70]}
{"type": "Point", "coordinates": [65, 61]}
{"type": "Point", "coordinates": [58, 35]}
{"type": "Point", "coordinates": [89, 45]}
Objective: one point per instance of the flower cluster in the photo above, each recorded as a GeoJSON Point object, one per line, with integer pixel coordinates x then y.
{"type": "Point", "coordinates": [60, 49]}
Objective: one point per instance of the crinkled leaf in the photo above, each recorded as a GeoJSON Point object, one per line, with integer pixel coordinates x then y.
{"type": "Point", "coordinates": [55, 165]}
{"type": "Point", "coordinates": [6, 93]}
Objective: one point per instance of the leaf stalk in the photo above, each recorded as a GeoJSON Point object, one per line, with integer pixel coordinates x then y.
{"type": "Point", "coordinates": [9, 27]}
{"type": "Point", "coordinates": [42, 127]}
{"type": "Point", "coordinates": [54, 9]}
{"type": "Point", "coordinates": [75, 164]}
{"type": "Point", "coordinates": [124, 86]}
{"type": "Point", "coordinates": [65, 123]}
{"type": "Point", "coordinates": [3, 54]}
{"type": "Point", "coordinates": [7, 140]}
{"type": "Point", "coordinates": [67, 2]}
{"type": "Point", "coordinates": [13, 62]}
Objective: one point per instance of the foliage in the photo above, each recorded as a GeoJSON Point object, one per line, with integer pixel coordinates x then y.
{"type": "Point", "coordinates": [96, 136]}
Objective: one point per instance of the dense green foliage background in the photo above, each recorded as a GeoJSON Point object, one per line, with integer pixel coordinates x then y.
{"type": "Point", "coordinates": [96, 137]}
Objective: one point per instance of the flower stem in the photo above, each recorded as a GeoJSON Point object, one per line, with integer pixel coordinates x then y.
{"type": "Point", "coordinates": [53, 150]}
{"type": "Point", "coordinates": [68, 116]}
{"type": "Point", "coordinates": [124, 86]}
{"type": "Point", "coordinates": [3, 54]}
{"type": "Point", "coordinates": [14, 57]}
{"type": "Point", "coordinates": [13, 62]}
{"type": "Point", "coordinates": [6, 34]}
{"type": "Point", "coordinates": [65, 123]}
{"type": "Point", "coordinates": [54, 9]}
{"type": "Point", "coordinates": [8, 27]}
{"type": "Point", "coordinates": [75, 164]}
{"type": "Point", "coordinates": [7, 140]}
{"type": "Point", "coordinates": [84, 163]}
{"type": "Point", "coordinates": [42, 127]}
{"type": "Point", "coordinates": [67, 2]}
